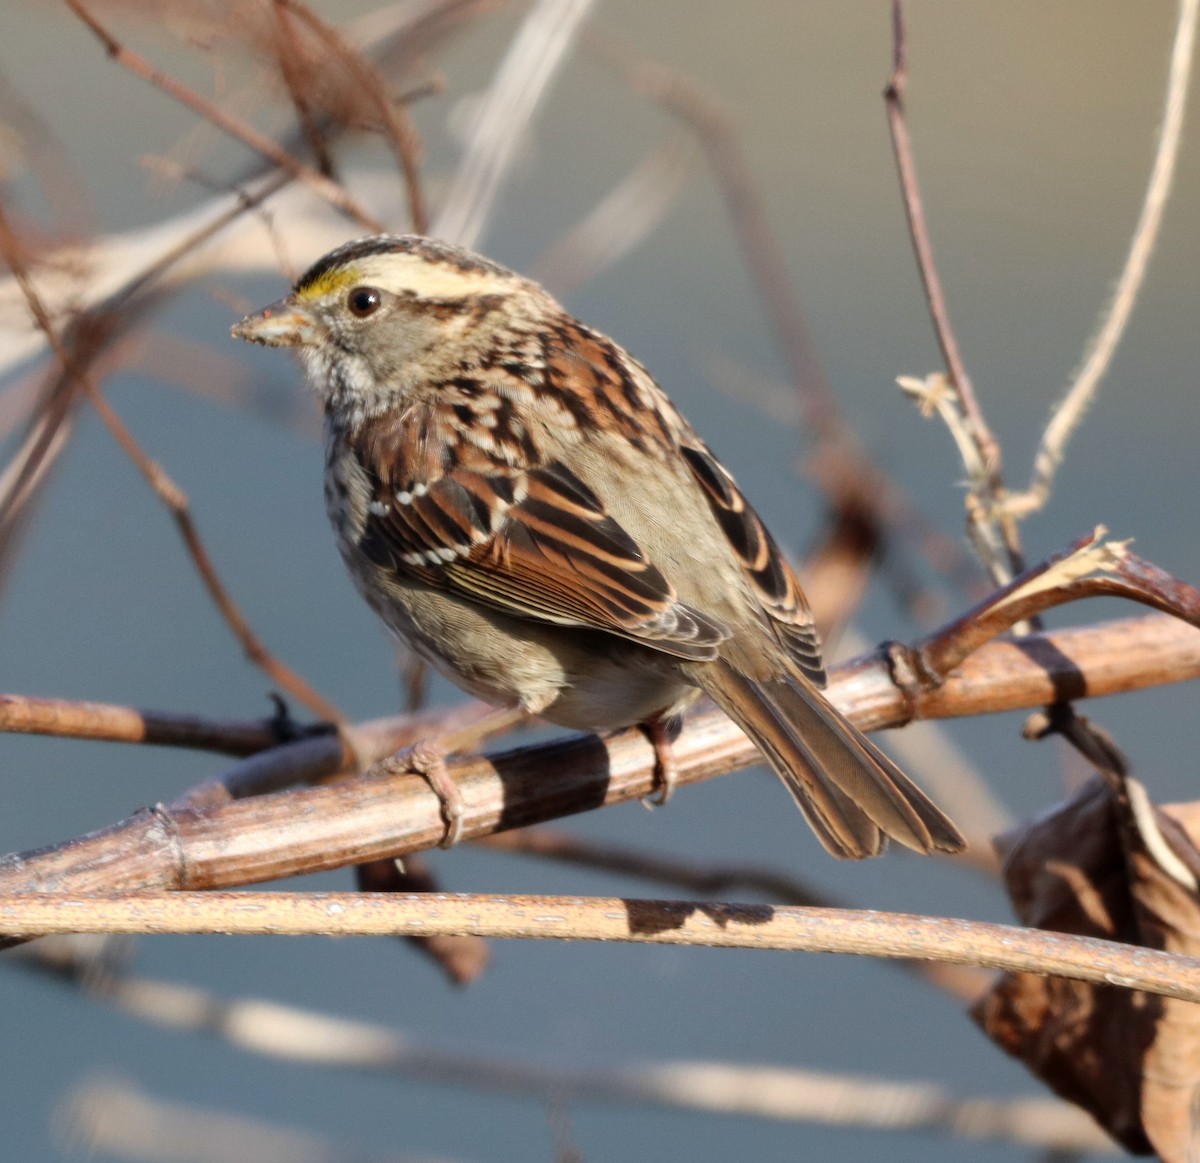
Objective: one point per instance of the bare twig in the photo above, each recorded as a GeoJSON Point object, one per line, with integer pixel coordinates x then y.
{"type": "Point", "coordinates": [533, 59]}
{"type": "Point", "coordinates": [123, 287]}
{"type": "Point", "coordinates": [167, 491]}
{"type": "Point", "coordinates": [643, 922]}
{"type": "Point", "coordinates": [319, 757]}
{"type": "Point", "coordinates": [994, 534]}
{"type": "Point", "coordinates": [1090, 568]}
{"type": "Point", "coordinates": [315, 828]}
{"type": "Point", "coordinates": [176, 502]}
{"type": "Point", "coordinates": [991, 524]}
{"type": "Point", "coordinates": [70, 719]}
{"type": "Point", "coordinates": [177, 172]}
{"type": "Point", "coordinates": [121, 267]}
{"type": "Point", "coordinates": [711, 881]}
{"type": "Point", "coordinates": [116, 297]}
{"type": "Point", "coordinates": [29, 467]}
{"type": "Point", "coordinates": [395, 124]}
{"type": "Point", "coordinates": [333, 193]}
{"type": "Point", "coordinates": [127, 269]}
{"type": "Point", "coordinates": [1069, 413]}
{"type": "Point", "coordinates": [288, 55]}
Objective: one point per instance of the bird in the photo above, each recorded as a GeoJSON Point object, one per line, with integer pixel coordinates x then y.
{"type": "Point", "coordinates": [520, 502]}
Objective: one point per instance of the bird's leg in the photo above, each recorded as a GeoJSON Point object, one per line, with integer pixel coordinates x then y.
{"type": "Point", "coordinates": [662, 731]}
{"type": "Point", "coordinates": [427, 758]}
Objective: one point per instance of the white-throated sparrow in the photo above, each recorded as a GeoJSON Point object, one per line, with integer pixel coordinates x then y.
{"type": "Point", "coordinates": [518, 499]}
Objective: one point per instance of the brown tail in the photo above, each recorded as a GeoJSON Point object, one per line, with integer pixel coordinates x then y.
{"type": "Point", "coordinates": [852, 795]}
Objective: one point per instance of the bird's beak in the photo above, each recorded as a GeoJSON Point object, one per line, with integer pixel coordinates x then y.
{"type": "Point", "coordinates": [285, 323]}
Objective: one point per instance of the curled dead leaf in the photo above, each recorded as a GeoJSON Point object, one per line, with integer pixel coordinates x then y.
{"type": "Point", "coordinates": [1132, 1061]}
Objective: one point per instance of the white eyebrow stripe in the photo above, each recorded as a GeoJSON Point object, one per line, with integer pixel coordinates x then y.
{"type": "Point", "coordinates": [401, 273]}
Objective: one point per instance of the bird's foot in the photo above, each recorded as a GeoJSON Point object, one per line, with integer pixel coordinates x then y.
{"type": "Point", "coordinates": [428, 760]}
{"type": "Point", "coordinates": [662, 732]}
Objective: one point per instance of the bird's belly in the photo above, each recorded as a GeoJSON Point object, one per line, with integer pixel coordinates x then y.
{"type": "Point", "coordinates": [583, 679]}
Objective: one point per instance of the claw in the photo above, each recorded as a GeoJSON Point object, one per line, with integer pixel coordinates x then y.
{"type": "Point", "coordinates": [428, 760]}
{"type": "Point", "coordinates": [662, 733]}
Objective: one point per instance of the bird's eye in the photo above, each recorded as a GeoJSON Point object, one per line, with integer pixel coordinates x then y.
{"type": "Point", "coordinates": [364, 301]}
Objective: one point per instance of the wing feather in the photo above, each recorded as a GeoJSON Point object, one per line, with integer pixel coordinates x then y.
{"type": "Point", "coordinates": [765, 567]}
{"type": "Point", "coordinates": [537, 543]}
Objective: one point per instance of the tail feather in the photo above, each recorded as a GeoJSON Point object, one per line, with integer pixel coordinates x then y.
{"type": "Point", "coordinates": [849, 791]}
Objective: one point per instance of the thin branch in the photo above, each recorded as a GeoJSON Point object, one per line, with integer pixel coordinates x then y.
{"type": "Point", "coordinates": [123, 288]}
{"type": "Point", "coordinates": [1091, 568]}
{"type": "Point", "coordinates": [126, 269]}
{"type": "Point", "coordinates": [641, 922]}
{"type": "Point", "coordinates": [25, 474]}
{"type": "Point", "coordinates": [177, 504]}
{"type": "Point", "coordinates": [316, 828]}
{"type": "Point", "coordinates": [395, 123]}
{"type": "Point", "coordinates": [710, 881]}
{"type": "Point", "coordinates": [177, 172]}
{"type": "Point", "coordinates": [167, 491]}
{"type": "Point", "coordinates": [1070, 411]}
{"type": "Point", "coordinates": [288, 54]}
{"type": "Point", "coordinates": [120, 273]}
{"type": "Point", "coordinates": [991, 524]}
{"type": "Point", "coordinates": [118, 291]}
{"type": "Point", "coordinates": [995, 534]}
{"type": "Point", "coordinates": [320, 756]}
{"type": "Point", "coordinates": [71, 719]}
{"type": "Point", "coordinates": [333, 193]}
{"type": "Point", "coordinates": [894, 96]}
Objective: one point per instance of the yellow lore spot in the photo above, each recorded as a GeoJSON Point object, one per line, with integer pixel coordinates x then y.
{"type": "Point", "coordinates": [338, 279]}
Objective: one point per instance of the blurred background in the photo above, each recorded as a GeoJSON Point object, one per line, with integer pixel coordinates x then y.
{"type": "Point", "coordinates": [1034, 128]}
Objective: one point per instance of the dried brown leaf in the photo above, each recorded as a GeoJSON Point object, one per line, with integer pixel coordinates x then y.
{"type": "Point", "coordinates": [1131, 1060]}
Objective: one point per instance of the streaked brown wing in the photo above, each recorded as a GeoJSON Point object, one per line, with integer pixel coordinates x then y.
{"type": "Point", "coordinates": [767, 569]}
{"type": "Point", "coordinates": [537, 543]}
